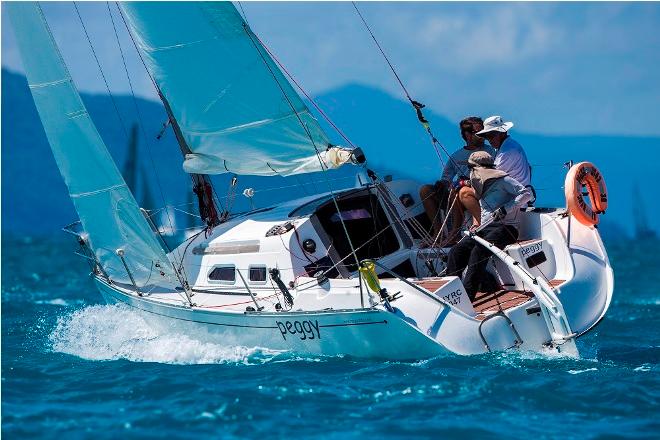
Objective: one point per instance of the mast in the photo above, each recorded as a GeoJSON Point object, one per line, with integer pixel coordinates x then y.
{"type": "Point", "coordinates": [201, 182]}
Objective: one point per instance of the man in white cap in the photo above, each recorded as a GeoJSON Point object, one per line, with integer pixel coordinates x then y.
{"type": "Point", "coordinates": [501, 198]}
{"type": "Point", "coordinates": [511, 157]}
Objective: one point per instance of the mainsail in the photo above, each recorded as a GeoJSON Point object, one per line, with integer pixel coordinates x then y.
{"type": "Point", "coordinates": [107, 209]}
{"type": "Point", "coordinates": [233, 106]}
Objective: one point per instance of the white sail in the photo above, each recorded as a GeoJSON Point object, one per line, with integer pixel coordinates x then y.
{"type": "Point", "coordinates": [107, 209]}
{"type": "Point", "coordinates": [235, 109]}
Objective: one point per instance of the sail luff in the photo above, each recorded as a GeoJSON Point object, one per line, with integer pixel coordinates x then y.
{"type": "Point", "coordinates": [107, 209]}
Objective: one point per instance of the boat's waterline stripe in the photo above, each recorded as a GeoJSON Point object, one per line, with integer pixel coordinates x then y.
{"type": "Point", "coordinates": [348, 324]}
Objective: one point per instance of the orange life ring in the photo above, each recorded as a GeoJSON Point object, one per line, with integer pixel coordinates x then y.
{"type": "Point", "coordinates": [580, 175]}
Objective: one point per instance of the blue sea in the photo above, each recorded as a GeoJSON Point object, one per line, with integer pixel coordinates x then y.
{"type": "Point", "coordinates": [73, 367]}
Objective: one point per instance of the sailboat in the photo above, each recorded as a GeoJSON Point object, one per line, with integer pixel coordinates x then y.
{"type": "Point", "coordinates": [341, 272]}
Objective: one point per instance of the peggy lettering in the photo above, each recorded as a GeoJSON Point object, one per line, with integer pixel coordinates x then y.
{"type": "Point", "coordinates": [306, 329]}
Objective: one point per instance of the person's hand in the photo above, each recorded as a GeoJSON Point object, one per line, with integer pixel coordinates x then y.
{"type": "Point", "coordinates": [475, 226]}
{"type": "Point", "coordinates": [460, 184]}
{"type": "Point", "coordinates": [499, 214]}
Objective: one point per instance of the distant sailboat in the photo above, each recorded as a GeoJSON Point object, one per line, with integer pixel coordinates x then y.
{"type": "Point", "coordinates": [642, 229]}
{"type": "Point", "coordinates": [301, 275]}
{"type": "Point", "coordinates": [138, 183]}
{"type": "Point", "coordinates": [130, 165]}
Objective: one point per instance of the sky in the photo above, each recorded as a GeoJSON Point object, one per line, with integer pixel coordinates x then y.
{"type": "Point", "coordinates": [552, 68]}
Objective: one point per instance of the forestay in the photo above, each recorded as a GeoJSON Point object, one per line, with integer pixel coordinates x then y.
{"type": "Point", "coordinates": [105, 205]}
{"type": "Point", "coordinates": [236, 110]}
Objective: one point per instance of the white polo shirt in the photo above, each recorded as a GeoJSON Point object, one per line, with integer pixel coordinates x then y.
{"type": "Point", "coordinates": [511, 159]}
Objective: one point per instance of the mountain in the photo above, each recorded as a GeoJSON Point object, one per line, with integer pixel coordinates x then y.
{"type": "Point", "coordinates": [34, 198]}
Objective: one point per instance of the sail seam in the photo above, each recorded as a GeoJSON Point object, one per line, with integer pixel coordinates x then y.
{"type": "Point", "coordinates": [99, 191]}
{"type": "Point", "coordinates": [77, 114]}
{"type": "Point", "coordinates": [176, 46]}
{"type": "Point", "coordinates": [50, 83]}
{"type": "Point", "coordinates": [249, 125]}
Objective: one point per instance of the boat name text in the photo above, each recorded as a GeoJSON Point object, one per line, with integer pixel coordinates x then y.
{"type": "Point", "coordinates": [307, 329]}
{"type": "Point", "coordinates": [531, 249]}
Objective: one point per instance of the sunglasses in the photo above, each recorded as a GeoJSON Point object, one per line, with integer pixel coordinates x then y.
{"type": "Point", "coordinates": [488, 134]}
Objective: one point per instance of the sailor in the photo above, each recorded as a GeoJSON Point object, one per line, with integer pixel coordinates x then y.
{"type": "Point", "coordinates": [450, 185]}
{"type": "Point", "coordinates": [511, 157]}
{"type": "Point", "coordinates": [501, 198]}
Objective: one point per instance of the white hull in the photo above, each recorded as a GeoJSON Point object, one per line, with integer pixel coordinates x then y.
{"type": "Point", "coordinates": [340, 315]}
{"type": "Point", "coordinates": [357, 333]}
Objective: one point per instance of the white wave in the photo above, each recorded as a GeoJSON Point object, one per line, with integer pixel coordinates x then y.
{"type": "Point", "coordinates": [111, 332]}
{"type": "Point", "coordinates": [56, 302]}
{"type": "Point", "coordinates": [582, 371]}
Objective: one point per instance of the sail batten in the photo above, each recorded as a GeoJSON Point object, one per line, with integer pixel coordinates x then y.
{"type": "Point", "coordinates": [232, 105]}
{"type": "Point", "coordinates": [107, 209]}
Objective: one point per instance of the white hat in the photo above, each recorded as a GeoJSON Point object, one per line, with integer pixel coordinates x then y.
{"type": "Point", "coordinates": [495, 123]}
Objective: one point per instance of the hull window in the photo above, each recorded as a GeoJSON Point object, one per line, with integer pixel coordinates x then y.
{"type": "Point", "coordinates": [223, 274]}
{"type": "Point", "coordinates": [257, 274]}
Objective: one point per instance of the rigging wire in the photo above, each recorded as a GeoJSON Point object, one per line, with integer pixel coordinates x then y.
{"type": "Point", "coordinates": [98, 63]}
{"type": "Point", "coordinates": [417, 106]}
{"type": "Point", "coordinates": [139, 115]}
{"type": "Point", "coordinates": [311, 138]}
{"type": "Point", "coordinates": [293, 79]}
{"type": "Point", "coordinates": [304, 92]}
{"type": "Point", "coordinates": [109, 91]}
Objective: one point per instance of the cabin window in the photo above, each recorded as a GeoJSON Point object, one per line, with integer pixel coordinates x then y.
{"type": "Point", "coordinates": [223, 274]}
{"type": "Point", "coordinates": [257, 274]}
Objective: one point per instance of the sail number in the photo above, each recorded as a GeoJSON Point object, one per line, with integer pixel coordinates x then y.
{"type": "Point", "coordinates": [307, 329]}
{"type": "Point", "coordinates": [453, 298]}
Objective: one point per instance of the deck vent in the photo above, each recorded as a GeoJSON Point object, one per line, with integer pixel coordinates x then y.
{"type": "Point", "coordinates": [279, 229]}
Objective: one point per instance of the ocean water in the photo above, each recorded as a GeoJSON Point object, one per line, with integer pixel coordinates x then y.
{"type": "Point", "coordinates": [73, 367]}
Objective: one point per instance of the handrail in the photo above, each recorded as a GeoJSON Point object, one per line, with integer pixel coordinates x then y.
{"type": "Point", "coordinates": [549, 300]}
{"type": "Point", "coordinates": [539, 287]}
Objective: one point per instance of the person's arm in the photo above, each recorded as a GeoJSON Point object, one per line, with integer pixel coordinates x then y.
{"type": "Point", "coordinates": [450, 171]}
{"type": "Point", "coordinates": [521, 194]}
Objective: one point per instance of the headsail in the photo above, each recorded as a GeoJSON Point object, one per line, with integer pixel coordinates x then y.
{"type": "Point", "coordinates": [105, 205]}
{"type": "Point", "coordinates": [235, 109]}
